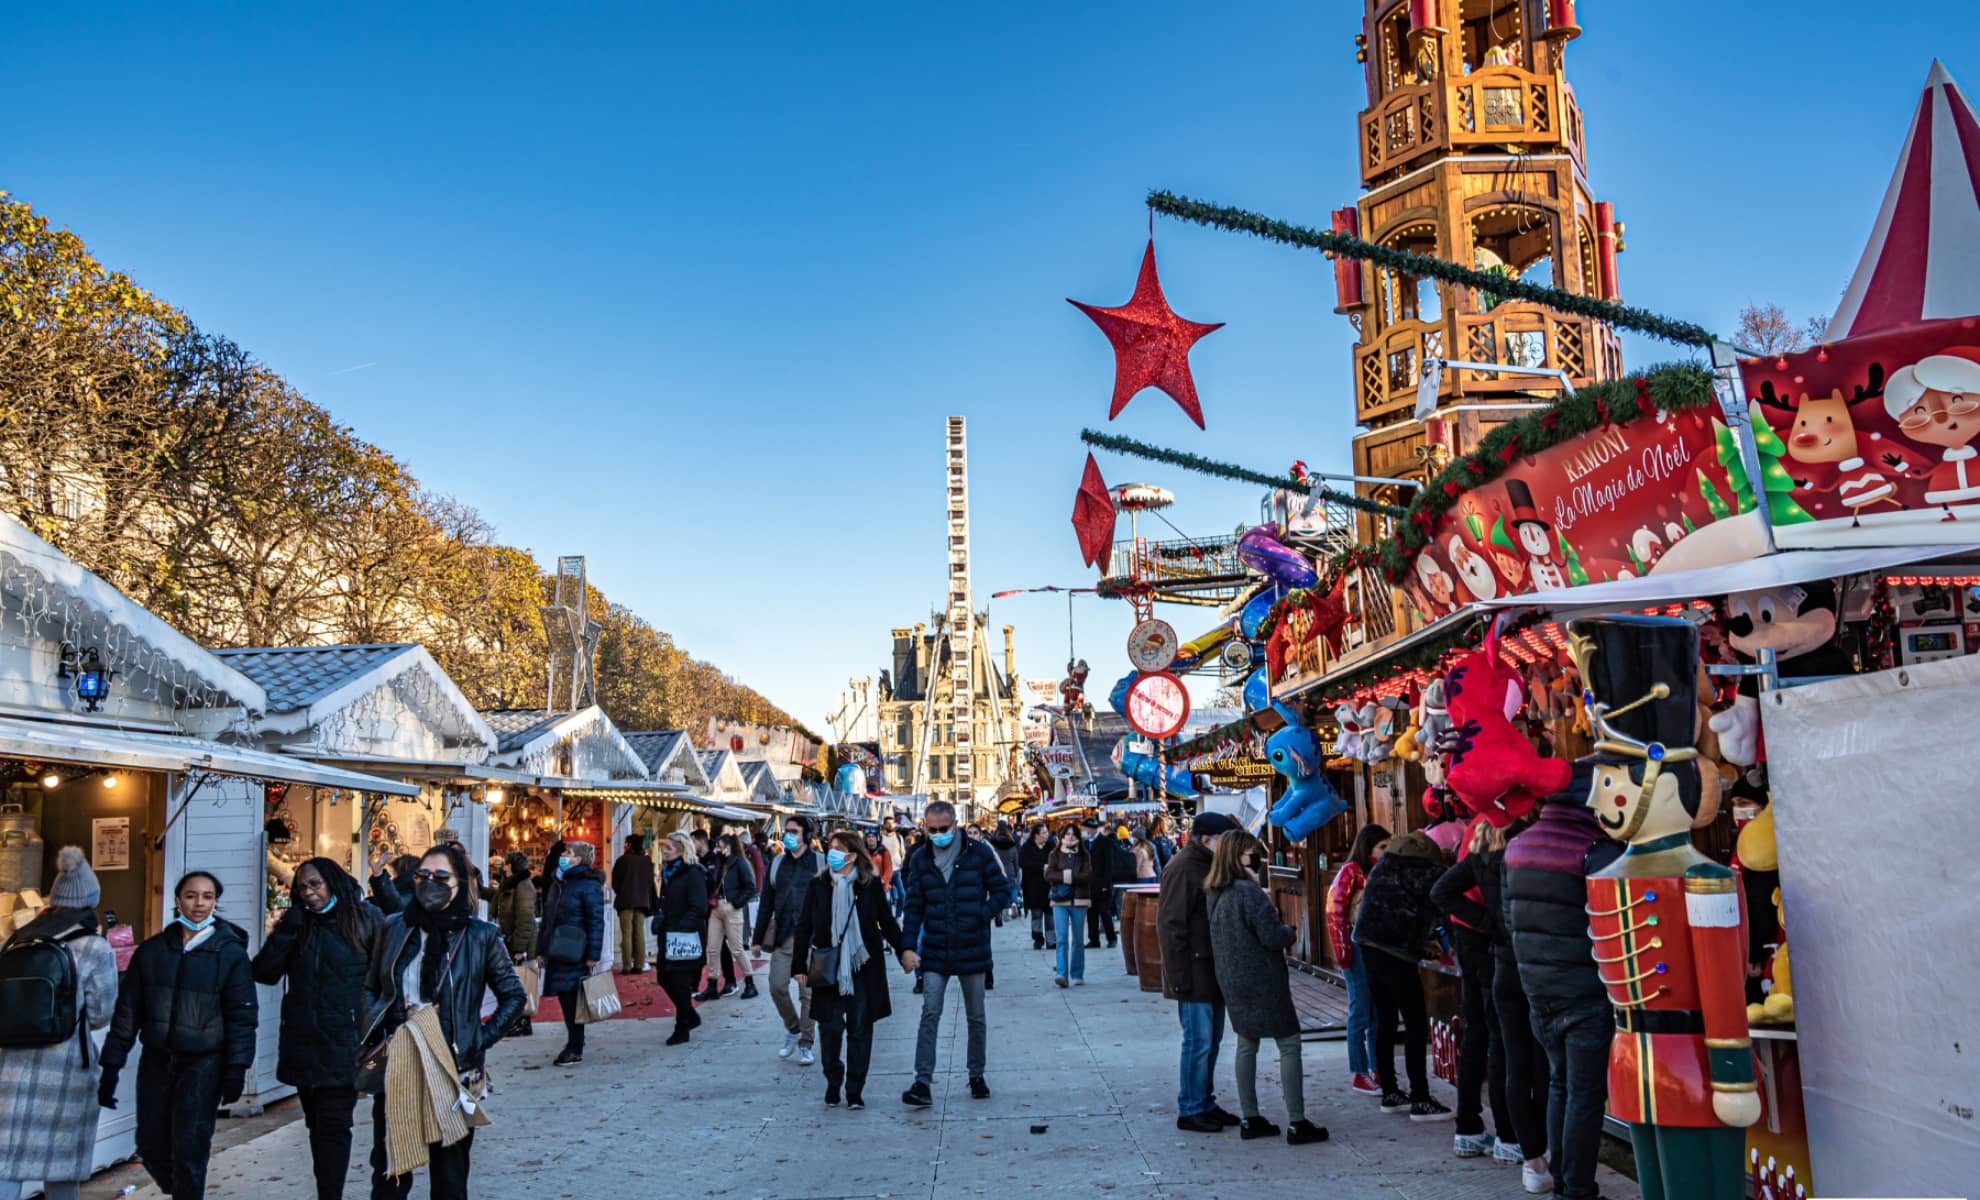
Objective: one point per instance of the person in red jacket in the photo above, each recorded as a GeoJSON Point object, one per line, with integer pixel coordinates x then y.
{"type": "Point", "coordinates": [1343, 900]}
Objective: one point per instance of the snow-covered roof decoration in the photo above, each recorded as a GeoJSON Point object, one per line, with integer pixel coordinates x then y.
{"type": "Point", "coordinates": [53, 597]}
{"type": "Point", "coordinates": [1923, 260]}
{"type": "Point", "coordinates": [574, 745]}
{"type": "Point", "coordinates": [764, 787]}
{"type": "Point", "coordinates": [309, 685]}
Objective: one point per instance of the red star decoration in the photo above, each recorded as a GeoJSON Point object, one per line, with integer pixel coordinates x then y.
{"type": "Point", "coordinates": [1151, 343]}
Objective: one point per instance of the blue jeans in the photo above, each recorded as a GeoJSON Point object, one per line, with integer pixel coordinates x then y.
{"type": "Point", "coordinates": [1360, 1019]}
{"type": "Point", "coordinates": [1203, 1032]}
{"type": "Point", "coordinates": [1069, 926]}
{"type": "Point", "coordinates": [1575, 1034]}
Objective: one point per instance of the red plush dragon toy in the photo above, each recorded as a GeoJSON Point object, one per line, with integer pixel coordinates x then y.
{"type": "Point", "coordinates": [1494, 770]}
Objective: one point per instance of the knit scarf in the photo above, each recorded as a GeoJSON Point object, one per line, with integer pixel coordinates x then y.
{"type": "Point", "coordinates": [436, 931]}
{"type": "Point", "coordinates": [946, 856]}
{"type": "Point", "coordinates": [425, 1104]}
{"type": "Point", "coordinates": [852, 941]}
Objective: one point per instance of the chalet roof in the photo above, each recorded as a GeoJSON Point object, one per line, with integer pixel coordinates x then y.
{"type": "Point", "coordinates": [1923, 260]}
{"type": "Point", "coordinates": [762, 780]}
{"type": "Point", "coordinates": [296, 677]}
{"type": "Point", "coordinates": [656, 747]}
{"type": "Point", "coordinates": [517, 727]}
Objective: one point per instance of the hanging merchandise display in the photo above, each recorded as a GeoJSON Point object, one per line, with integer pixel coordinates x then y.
{"type": "Point", "coordinates": [1494, 769]}
{"type": "Point", "coordinates": [1151, 645]}
{"type": "Point", "coordinates": [1151, 343]}
{"type": "Point", "coordinates": [1309, 800]}
{"type": "Point", "coordinates": [1157, 705]}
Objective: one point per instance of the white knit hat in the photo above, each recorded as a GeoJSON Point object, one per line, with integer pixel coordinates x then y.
{"type": "Point", "coordinates": [75, 883]}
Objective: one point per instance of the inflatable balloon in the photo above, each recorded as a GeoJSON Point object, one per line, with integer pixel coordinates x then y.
{"type": "Point", "coordinates": [1254, 612]}
{"type": "Point", "coordinates": [1257, 691]}
{"type": "Point", "coordinates": [851, 779]}
{"type": "Point", "coordinates": [1118, 697]}
{"type": "Point", "coordinates": [1309, 801]}
{"type": "Point", "coordinates": [1145, 770]}
{"type": "Point", "coordinates": [1260, 549]}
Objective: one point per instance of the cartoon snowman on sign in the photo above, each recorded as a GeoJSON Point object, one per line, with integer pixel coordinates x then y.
{"type": "Point", "coordinates": [1536, 538]}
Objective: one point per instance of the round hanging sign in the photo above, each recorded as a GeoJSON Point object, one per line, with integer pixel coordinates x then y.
{"type": "Point", "coordinates": [1157, 705]}
{"type": "Point", "coordinates": [1152, 645]}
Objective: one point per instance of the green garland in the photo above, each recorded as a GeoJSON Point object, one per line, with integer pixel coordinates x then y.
{"type": "Point", "coordinates": [1222, 470]}
{"type": "Point", "coordinates": [1622, 316]}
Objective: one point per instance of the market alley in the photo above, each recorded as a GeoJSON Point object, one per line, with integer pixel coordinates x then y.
{"type": "Point", "coordinates": [1084, 1099]}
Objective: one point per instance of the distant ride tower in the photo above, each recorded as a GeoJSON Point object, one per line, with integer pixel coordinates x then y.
{"type": "Point", "coordinates": [962, 685]}
{"type": "Point", "coordinates": [1471, 151]}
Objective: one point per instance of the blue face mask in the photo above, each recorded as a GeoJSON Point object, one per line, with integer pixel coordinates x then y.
{"type": "Point", "coordinates": [944, 838]}
{"type": "Point", "coordinates": [194, 926]}
{"type": "Point", "coordinates": [837, 859]}
{"type": "Point", "coordinates": [791, 842]}
{"type": "Point", "coordinates": [563, 865]}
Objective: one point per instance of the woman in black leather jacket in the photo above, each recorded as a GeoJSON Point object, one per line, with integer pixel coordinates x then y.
{"type": "Point", "coordinates": [438, 954]}
{"type": "Point", "coordinates": [188, 997]}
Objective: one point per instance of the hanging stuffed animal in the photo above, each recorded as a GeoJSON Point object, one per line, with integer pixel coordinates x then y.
{"type": "Point", "coordinates": [1796, 622]}
{"type": "Point", "coordinates": [1309, 801]}
{"type": "Point", "coordinates": [1495, 771]}
{"type": "Point", "coordinates": [1387, 719]}
{"type": "Point", "coordinates": [1348, 743]}
{"type": "Point", "coordinates": [1408, 747]}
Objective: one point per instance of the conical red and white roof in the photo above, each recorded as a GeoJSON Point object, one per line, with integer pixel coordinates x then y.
{"type": "Point", "coordinates": [1923, 260]}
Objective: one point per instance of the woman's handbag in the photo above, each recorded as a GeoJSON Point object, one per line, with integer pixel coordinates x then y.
{"type": "Point", "coordinates": [683, 946]}
{"type": "Point", "coordinates": [822, 971]}
{"type": "Point", "coordinates": [374, 1046]}
{"type": "Point", "coordinates": [600, 1001]}
{"type": "Point", "coordinates": [1061, 893]}
{"type": "Point", "coordinates": [566, 946]}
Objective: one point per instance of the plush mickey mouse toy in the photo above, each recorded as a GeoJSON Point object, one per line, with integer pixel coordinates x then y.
{"type": "Point", "coordinates": [1798, 623]}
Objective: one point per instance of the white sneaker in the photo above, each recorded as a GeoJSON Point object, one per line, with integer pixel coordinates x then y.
{"type": "Point", "coordinates": [805, 1056]}
{"type": "Point", "coordinates": [1536, 1180]}
{"type": "Point", "coordinates": [790, 1045]}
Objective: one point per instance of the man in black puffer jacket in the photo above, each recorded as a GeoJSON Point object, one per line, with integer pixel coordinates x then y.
{"type": "Point", "coordinates": [955, 889]}
{"type": "Point", "coordinates": [1546, 895]}
{"type": "Point", "coordinates": [1395, 921]}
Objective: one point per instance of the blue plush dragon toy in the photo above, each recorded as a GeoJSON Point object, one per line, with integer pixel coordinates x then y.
{"type": "Point", "coordinates": [1309, 801]}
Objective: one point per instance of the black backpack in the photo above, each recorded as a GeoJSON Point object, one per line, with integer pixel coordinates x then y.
{"type": "Point", "coordinates": [40, 995]}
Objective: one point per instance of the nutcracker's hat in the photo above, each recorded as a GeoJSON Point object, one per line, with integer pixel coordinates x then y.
{"type": "Point", "coordinates": [1639, 680]}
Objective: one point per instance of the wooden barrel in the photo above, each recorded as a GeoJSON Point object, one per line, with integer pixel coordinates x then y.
{"type": "Point", "coordinates": [1130, 902]}
{"type": "Point", "coordinates": [1147, 945]}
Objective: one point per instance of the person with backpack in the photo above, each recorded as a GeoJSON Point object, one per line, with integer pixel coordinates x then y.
{"type": "Point", "coordinates": [58, 981]}
{"type": "Point", "coordinates": [189, 997]}
{"type": "Point", "coordinates": [322, 947]}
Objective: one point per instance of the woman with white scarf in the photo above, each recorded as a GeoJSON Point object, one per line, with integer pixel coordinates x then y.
{"type": "Point", "coordinates": [845, 928]}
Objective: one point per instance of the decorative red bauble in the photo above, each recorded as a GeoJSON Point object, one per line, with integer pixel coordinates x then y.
{"type": "Point", "coordinates": [1151, 343]}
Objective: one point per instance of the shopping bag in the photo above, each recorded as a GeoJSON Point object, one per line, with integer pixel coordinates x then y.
{"type": "Point", "coordinates": [600, 1000]}
{"type": "Point", "coordinates": [683, 946]}
{"type": "Point", "coordinates": [532, 984]}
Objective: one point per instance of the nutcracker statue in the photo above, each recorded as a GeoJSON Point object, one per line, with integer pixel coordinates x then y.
{"type": "Point", "coordinates": [1664, 918]}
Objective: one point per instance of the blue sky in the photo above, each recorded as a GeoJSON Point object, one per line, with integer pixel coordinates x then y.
{"type": "Point", "coordinates": [691, 289]}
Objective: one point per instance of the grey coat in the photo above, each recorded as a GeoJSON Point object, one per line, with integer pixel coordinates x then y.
{"type": "Point", "coordinates": [48, 1106]}
{"type": "Point", "coordinates": [1248, 944]}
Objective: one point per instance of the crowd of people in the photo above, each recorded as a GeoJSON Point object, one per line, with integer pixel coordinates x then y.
{"type": "Point", "coordinates": [397, 990]}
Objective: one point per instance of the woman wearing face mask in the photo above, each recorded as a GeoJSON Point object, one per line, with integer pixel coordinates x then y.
{"type": "Point", "coordinates": [322, 946]}
{"type": "Point", "coordinates": [1248, 945]}
{"type": "Point", "coordinates": [677, 930]}
{"type": "Point", "coordinates": [1343, 906]}
{"type": "Point", "coordinates": [1069, 875]}
{"type": "Point", "coordinates": [573, 940]}
{"type": "Point", "coordinates": [188, 997]}
{"type": "Point", "coordinates": [845, 919]}
{"type": "Point", "coordinates": [1034, 890]}
{"type": "Point", "coordinates": [48, 1101]}
{"type": "Point", "coordinates": [430, 966]}
{"type": "Point", "coordinates": [735, 888]}
{"type": "Point", "coordinates": [549, 882]}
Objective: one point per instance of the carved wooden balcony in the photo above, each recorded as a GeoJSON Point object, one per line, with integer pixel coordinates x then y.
{"type": "Point", "coordinates": [1491, 108]}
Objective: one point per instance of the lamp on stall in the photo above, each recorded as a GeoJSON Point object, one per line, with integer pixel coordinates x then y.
{"type": "Point", "coordinates": [51, 781]}
{"type": "Point", "coordinates": [495, 795]}
{"type": "Point", "coordinates": [91, 676]}
{"type": "Point", "coordinates": [109, 781]}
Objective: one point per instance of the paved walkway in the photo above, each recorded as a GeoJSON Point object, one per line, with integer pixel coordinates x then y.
{"type": "Point", "coordinates": [1085, 1084]}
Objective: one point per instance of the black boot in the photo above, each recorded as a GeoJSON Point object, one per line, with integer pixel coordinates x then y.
{"type": "Point", "coordinates": [711, 992]}
{"type": "Point", "coordinates": [749, 988]}
{"type": "Point", "coordinates": [1037, 941]}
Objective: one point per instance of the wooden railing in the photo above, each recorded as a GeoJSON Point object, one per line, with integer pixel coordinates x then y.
{"type": "Point", "coordinates": [1490, 106]}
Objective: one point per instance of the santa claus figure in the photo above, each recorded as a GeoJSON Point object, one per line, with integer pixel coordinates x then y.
{"type": "Point", "coordinates": [1936, 402]}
